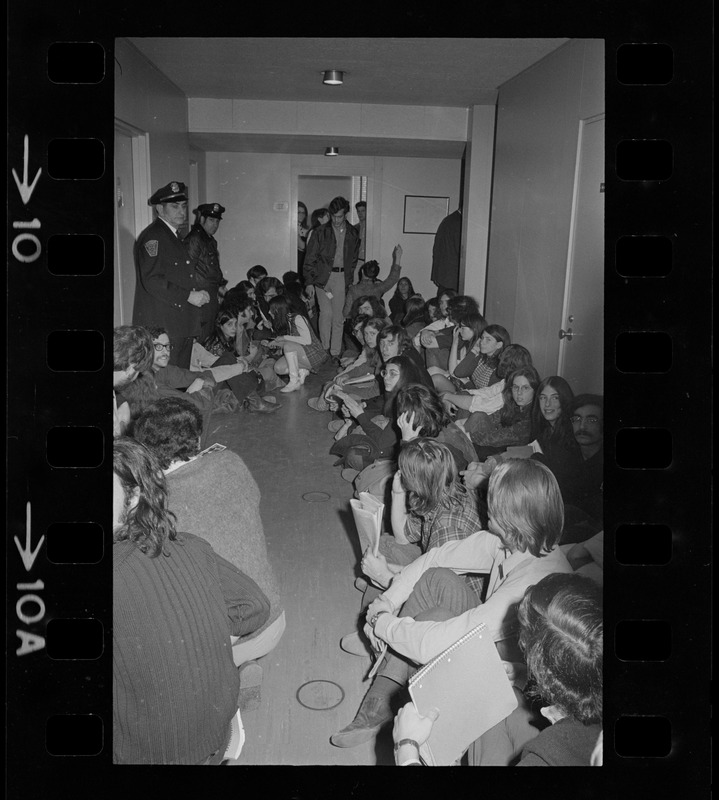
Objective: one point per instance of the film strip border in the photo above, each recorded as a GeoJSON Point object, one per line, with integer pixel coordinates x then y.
{"type": "Point", "coordinates": [658, 184]}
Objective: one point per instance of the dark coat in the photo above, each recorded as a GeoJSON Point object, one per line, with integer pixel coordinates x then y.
{"type": "Point", "coordinates": [320, 255]}
{"type": "Point", "coordinates": [445, 252]}
{"type": "Point", "coordinates": [205, 258]}
{"type": "Point", "coordinates": [164, 279]}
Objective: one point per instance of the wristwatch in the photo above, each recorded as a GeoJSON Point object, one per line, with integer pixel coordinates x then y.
{"type": "Point", "coordinates": [375, 617]}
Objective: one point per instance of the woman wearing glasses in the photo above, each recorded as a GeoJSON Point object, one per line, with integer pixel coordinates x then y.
{"type": "Point", "coordinates": [492, 433]}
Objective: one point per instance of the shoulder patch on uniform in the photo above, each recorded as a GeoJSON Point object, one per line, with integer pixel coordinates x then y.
{"type": "Point", "coordinates": [151, 247]}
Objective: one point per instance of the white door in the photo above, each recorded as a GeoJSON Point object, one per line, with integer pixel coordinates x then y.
{"type": "Point", "coordinates": [581, 350]}
{"type": "Point", "coordinates": [124, 229]}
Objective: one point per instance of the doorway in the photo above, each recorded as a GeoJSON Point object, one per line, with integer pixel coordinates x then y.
{"type": "Point", "coordinates": [132, 214]}
{"type": "Point", "coordinates": [581, 349]}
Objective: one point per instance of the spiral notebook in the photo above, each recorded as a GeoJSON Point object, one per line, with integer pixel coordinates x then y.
{"type": "Point", "coordinates": [468, 684]}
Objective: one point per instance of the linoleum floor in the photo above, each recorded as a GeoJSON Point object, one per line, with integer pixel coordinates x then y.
{"type": "Point", "coordinates": [313, 547]}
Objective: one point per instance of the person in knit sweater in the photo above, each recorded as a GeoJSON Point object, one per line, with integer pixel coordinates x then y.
{"type": "Point", "coordinates": [176, 603]}
{"type": "Point", "coordinates": [215, 496]}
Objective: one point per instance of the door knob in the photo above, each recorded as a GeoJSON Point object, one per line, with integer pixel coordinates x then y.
{"type": "Point", "coordinates": [566, 334]}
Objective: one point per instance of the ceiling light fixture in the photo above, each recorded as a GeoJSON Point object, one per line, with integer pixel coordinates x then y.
{"type": "Point", "coordinates": [332, 151]}
{"type": "Point", "coordinates": [333, 77]}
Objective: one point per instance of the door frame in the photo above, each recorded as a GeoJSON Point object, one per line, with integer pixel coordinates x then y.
{"type": "Point", "coordinates": [141, 181]}
{"type": "Point", "coordinates": [572, 234]}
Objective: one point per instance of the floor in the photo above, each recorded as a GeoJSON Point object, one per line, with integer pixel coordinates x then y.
{"type": "Point", "coordinates": [313, 547]}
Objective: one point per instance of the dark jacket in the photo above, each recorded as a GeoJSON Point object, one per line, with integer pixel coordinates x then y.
{"type": "Point", "coordinates": [445, 252]}
{"type": "Point", "coordinates": [164, 279]}
{"type": "Point", "coordinates": [320, 255]}
{"type": "Point", "coordinates": [205, 258]}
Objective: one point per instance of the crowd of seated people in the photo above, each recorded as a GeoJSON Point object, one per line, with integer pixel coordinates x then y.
{"type": "Point", "coordinates": [492, 481]}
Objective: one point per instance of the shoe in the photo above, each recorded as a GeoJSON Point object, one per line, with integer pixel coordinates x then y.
{"type": "Point", "coordinates": [372, 715]}
{"type": "Point", "coordinates": [250, 686]}
{"type": "Point", "coordinates": [292, 386]}
{"type": "Point", "coordinates": [336, 425]}
{"type": "Point", "coordinates": [318, 404]}
{"type": "Point", "coordinates": [343, 431]}
{"type": "Point", "coordinates": [348, 474]}
{"type": "Point", "coordinates": [294, 371]}
{"type": "Point", "coordinates": [254, 403]}
{"type": "Point", "coordinates": [268, 398]}
{"type": "Point", "coordinates": [356, 644]}
{"type": "Point", "coordinates": [361, 584]}
{"type": "Point", "coordinates": [250, 674]}
{"type": "Point", "coordinates": [303, 374]}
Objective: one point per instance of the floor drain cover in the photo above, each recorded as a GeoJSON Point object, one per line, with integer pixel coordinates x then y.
{"type": "Point", "coordinates": [316, 497]}
{"type": "Point", "coordinates": [320, 695]}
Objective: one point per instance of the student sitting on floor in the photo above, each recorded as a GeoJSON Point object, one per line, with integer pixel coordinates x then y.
{"type": "Point", "coordinates": [371, 436]}
{"type": "Point", "coordinates": [489, 399]}
{"type": "Point", "coordinates": [176, 603]}
{"type": "Point", "coordinates": [429, 606]}
{"type": "Point", "coordinates": [215, 496]}
{"type": "Point", "coordinates": [561, 635]}
{"type": "Point", "coordinates": [438, 342]}
{"type": "Point", "coordinates": [510, 426]}
{"type": "Point", "coordinates": [302, 350]}
{"type": "Point", "coordinates": [429, 507]}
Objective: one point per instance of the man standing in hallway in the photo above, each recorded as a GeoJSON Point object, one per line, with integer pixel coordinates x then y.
{"type": "Point", "coordinates": [205, 259]}
{"type": "Point", "coordinates": [445, 253]}
{"type": "Point", "coordinates": [361, 228]}
{"type": "Point", "coordinates": [329, 267]}
{"type": "Point", "coordinates": [166, 293]}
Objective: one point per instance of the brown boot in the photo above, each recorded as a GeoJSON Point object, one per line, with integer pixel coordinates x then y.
{"type": "Point", "coordinates": [253, 402]}
{"type": "Point", "coordinates": [374, 711]}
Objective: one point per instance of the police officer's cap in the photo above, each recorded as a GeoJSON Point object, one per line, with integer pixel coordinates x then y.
{"type": "Point", "coordinates": [210, 210]}
{"type": "Point", "coordinates": [174, 192]}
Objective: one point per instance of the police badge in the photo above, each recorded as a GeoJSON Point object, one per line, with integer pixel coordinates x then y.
{"type": "Point", "coordinates": [151, 247]}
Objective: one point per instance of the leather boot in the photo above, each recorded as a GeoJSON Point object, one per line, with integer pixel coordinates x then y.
{"type": "Point", "coordinates": [295, 382]}
{"type": "Point", "coordinates": [373, 713]}
{"type": "Point", "coordinates": [254, 403]}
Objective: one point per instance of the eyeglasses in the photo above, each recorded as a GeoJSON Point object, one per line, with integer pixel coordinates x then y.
{"type": "Point", "coordinates": [389, 373]}
{"type": "Point", "coordinates": [592, 420]}
{"type": "Point", "coordinates": [160, 347]}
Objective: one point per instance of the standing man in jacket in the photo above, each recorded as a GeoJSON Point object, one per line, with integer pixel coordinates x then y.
{"type": "Point", "coordinates": [205, 258]}
{"type": "Point", "coordinates": [330, 262]}
{"type": "Point", "coordinates": [166, 292]}
{"type": "Point", "coordinates": [446, 252]}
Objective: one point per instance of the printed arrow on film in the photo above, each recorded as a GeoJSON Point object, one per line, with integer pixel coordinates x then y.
{"type": "Point", "coordinates": [27, 554]}
{"type": "Point", "coordinates": [25, 189]}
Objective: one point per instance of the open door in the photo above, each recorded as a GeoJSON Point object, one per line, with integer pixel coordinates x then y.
{"type": "Point", "coordinates": [581, 350]}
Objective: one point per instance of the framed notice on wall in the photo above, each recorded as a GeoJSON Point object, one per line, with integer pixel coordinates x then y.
{"type": "Point", "coordinates": [422, 213]}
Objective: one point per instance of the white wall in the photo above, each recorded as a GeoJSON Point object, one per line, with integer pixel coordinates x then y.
{"type": "Point", "coordinates": [538, 118]}
{"type": "Point", "coordinates": [147, 100]}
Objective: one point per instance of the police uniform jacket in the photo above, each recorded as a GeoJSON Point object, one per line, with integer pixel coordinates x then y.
{"type": "Point", "coordinates": [165, 277]}
{"type": "Point", "coordinates": [205, 257]}
{"type": "Point", "coordinates": [320, 255]}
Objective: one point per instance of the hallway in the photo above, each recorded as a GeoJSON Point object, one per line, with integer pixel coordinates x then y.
{"type": "Point", "coordinates": [313, 548]}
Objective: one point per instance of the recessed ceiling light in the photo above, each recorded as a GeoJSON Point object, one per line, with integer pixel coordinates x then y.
{"type": "Point", "coordinates": [333, 77]}
{"type": "Point", "coordinates": [332, 151]}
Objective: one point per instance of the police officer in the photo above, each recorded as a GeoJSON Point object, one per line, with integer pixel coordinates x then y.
{"type": "Point", "coordinates": [205, 258]}
{"type": "Point", "coordinates": [166, 291]}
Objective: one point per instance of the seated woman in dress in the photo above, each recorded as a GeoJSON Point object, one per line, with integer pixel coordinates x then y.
{"type": "Point", "coordinates": [302, 350]}
{"type": "Point", "coordinates": [511, 425]}
{"type": "Point", "coordinates": [214, 496]}
{"type": "Point", "coordinates": [561, 634]}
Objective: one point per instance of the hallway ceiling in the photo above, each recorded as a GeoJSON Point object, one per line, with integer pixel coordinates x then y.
{"type": "Point", "coordinates": [433, 72]}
